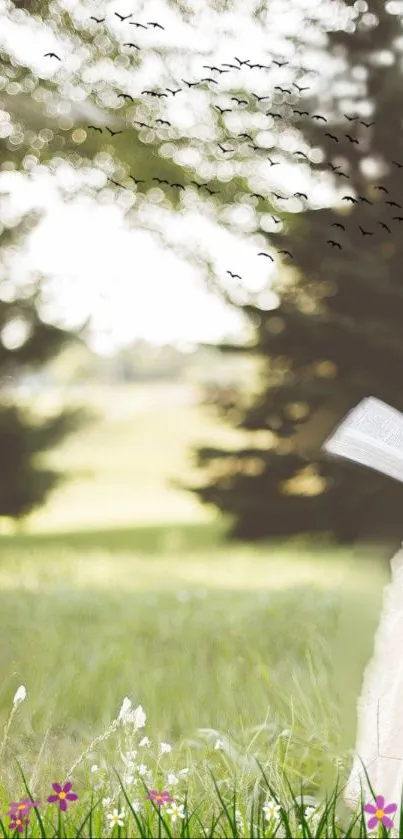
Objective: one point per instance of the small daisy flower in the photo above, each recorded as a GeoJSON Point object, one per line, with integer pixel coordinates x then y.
{"type": "Point", "coordinates": [145, 742]}
{"type": "Point", "coordinates": [176, 811]}
{"type": "Point", "coordinates": [165, 748]}
{"type": "Point", "coordinates": [271, 810]}
{"type": "Point", "coordinates": [142, 769]}
{"type": "Point", "coordinates": [219, 744]}
{"type": "Point", "coordinates": [172, 779]}
{"type": "Point", "coordinates": [116, 818]}
{"type": "Point", "coordinates": [20, 695]}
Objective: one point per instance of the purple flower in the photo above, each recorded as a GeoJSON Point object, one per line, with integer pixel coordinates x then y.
{"type": "Point", "coordinates": [21, 808]}
{"type": "Point", "coordinates": [378, 812]}
{"type": "Point", "coordinates": [63, 795]}
{"type": "Point", "coordinates": [18, 822]}
{"type": "Point", "coordinates": [159, 797]}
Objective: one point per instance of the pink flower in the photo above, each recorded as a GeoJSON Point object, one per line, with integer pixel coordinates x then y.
{"type": "Point", "coordinates": [63, 795]}
{"type": "Point", "coordinates": [18, 822]}
{"type": "Point", "coordinates": [21, 807]}
{"type": "Point", "coordinates": [378, 812]}
{"type": "Point", "coordinates": [159, 797]}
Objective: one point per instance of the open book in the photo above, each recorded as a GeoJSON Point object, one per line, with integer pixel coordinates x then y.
{"type": "Point", "coordinates": [370, 434]}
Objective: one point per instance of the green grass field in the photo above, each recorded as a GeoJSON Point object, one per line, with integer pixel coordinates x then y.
{"type": "Point", "coordinates": [124, 586]}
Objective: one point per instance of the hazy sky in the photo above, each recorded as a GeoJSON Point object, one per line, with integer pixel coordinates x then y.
{"type": "Point", "coordinates": [133, 285]}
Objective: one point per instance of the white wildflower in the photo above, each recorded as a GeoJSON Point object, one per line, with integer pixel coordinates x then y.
{"type": "Point", "coordinates": [145, 742]}
{"type": "Point", "coordinates": [95, 768]}
{"type": "Point", "coordinates": [116, 818]}
{"type": "Point", "coordinates": [219, 744]}
{"type": "Point", "coordinates": [172, 780]}
{"type": "Point", "coordinates": [19, 696]}
{"type": "Point", "coordinates": [127, 715]}
{"type": "Point", "coordinates": [183, 772]}
{"type": "Point", "coordinates": [176, 811]}
{"type": "Point", "coordinates": [271, 810]}
{"type": "Point", "coordinates": [165, 748]}
{"type": "Point", "coordinates": [106, 802]}
{"type": "Point", "coordinates": [125, 709]}
{"type": "Point", "coordinates": [139, 717]}
{"type": "Point", "coordinates": [142, 769]}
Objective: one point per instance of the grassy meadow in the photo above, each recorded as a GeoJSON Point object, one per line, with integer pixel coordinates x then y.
{"type": "Point", "coordinates": [124, 586]}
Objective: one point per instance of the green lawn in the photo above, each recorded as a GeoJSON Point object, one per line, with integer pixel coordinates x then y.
{"type": "Point", "coordinates": [122, 586]}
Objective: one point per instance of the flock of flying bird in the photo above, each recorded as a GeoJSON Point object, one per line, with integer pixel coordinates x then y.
{"type": "Point", "coordinates": [227, 68]}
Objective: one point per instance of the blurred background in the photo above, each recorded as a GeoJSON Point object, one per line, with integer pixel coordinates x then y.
{"type": "Point", "coordinates": [161, 421]}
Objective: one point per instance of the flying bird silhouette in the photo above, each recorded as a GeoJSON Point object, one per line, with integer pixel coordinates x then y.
{"type": "Point", "coordinates": [241, 62]}
{"type": "Point", "coordinates": [342, 175]}
{"type": "Point", "coordinates": [132, 45]}
{"type": "Point", "coordinates": [318, 116]}
{"type": "Point", "coordinates": [223, 149]}
{"type": "Point", "coordinates": [246, 136]}
{"type": "Point", "coordinates": [210, 191]}
{"type": "Point", "coordinates": [266, 254]}
{"type": "Point", "coordinates": [113, 133]}
{"type": "Point", "coordinates": [349, 137]}
{"type": "Point", "coordinates": [332, 137]}
{"type": "Point", "coordinates": [280, 197]}
{"type": "Point", "coordinates": [155, 24]}
{"type": "Point", "coordinates": [282, 89]}
{"type": "Point", "coordinates": [385, 226]}
{"type": "Point", "coordinates": [97, 19]}
{"type": "Point", "coordinates": [163, 121]}
{"type": "Point", "coordinates": [190, 84]}
{"type": "Point", "coordinates": [255, 148]}
{"type": "Point", "coordinates": [234, 276]}
{"type": "Point", "coordinates": [365, 232]}
{"type": "Point", "coordinates": [260, 98]}
{"type": "Point", "coordinates": [334, 244]}
{"type": "Point", "coordinates": [393, 204]}
{"type": "Point", "coordinates": [233, 66]}
{"type": "Point", "coordinates": [51, 55]}
{"type": "Point", "coordinates": [300, 195]}
{"type": "Point", "coordinates": [276, 220]}
{"type": "Point", "coordinates": [271, 114]}
{"type": "Point", "coordinates": [399, 165]}
{"type": "Point", "coordinates": [179, 186]}
{"type": "Point", "coordinates": [350, 119]}
{"type": "Point", "coordinates": [257, 195]}
{"type": "Point", "coordinates": [240, 101]}
{"type": "Point", "coordinates": [273, 162]}
{"type": "Point", "coordinates": [382, 189]}
{"type": "Point", "coordinates": [121, 17]}
{"type": "Point", "coordinates": [299, 88]}
{"type": "Point", "coordinates": [209, 80]}
{"type": "Point", "coordinates": [95, 128]}
{"type": "Point", "coordinates": [136, 181]}
{"type": "Point", "coordinates": [288, 253]}
{"type": "Point", "coordinates": [223, 110]}
{"type": "Point", "coordinates": [337, 224]}
{"type": "Point", "coordinates": [397, 218]}
{"type": "Point", "coordinates": [134, 23]}
{"type": "Point", "coordinates": [142, 124]}
{"type": "Point", "coordinates": [116, 183]}
{"type": "Point", "coordinates": [300, 113]}
{"type": "Point", "coordinates": [349, 198]}
{"type": "Point", "coordinates": [125, 96]}
{"type": "Point", "coordinates": [161, 181]}
{"type": "Point", "coordinates": [364, 200]}
{"type": "Point", "coordinates": [174, 92]}
{"type": "Point", "coordinates": [280, 64]}
{"type": "Point", "coordinates": [302, 153]}
{"type": "Point", "coordinates": [334, 168]}
{"type": "Point", "coordinates": [367, 124]}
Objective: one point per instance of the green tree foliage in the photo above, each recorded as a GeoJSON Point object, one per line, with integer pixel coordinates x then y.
{"type": "Point", "coordinates": [336, 335]}
{"type": "Point", "coordinates": [27, 342]}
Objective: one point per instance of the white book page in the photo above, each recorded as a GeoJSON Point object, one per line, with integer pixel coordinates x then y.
{"type": "Point", "coordinates": [371, 434]}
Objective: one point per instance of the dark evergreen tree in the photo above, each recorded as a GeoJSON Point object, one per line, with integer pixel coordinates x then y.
{"type": "Point", "coordinates": [337, 334]}
{"type": "Point", "coordinates": [25, 481]}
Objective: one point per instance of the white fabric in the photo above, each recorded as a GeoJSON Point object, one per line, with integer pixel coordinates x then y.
{"type": "Point", "coordinates": [380, 707]}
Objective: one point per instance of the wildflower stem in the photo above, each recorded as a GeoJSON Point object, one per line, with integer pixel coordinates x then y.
{"type": "Point", "coordinates": [110, 730]}
{"type": "Point", "coordinates": [34, 771]}
{"type": "Point", "coordinates": [7, 729]}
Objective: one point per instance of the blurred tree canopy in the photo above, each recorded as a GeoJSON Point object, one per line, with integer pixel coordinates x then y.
{"type": "Point", "coordinates": [330, 333]}
{"type": "Point", "coordinates": [27, 342]}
